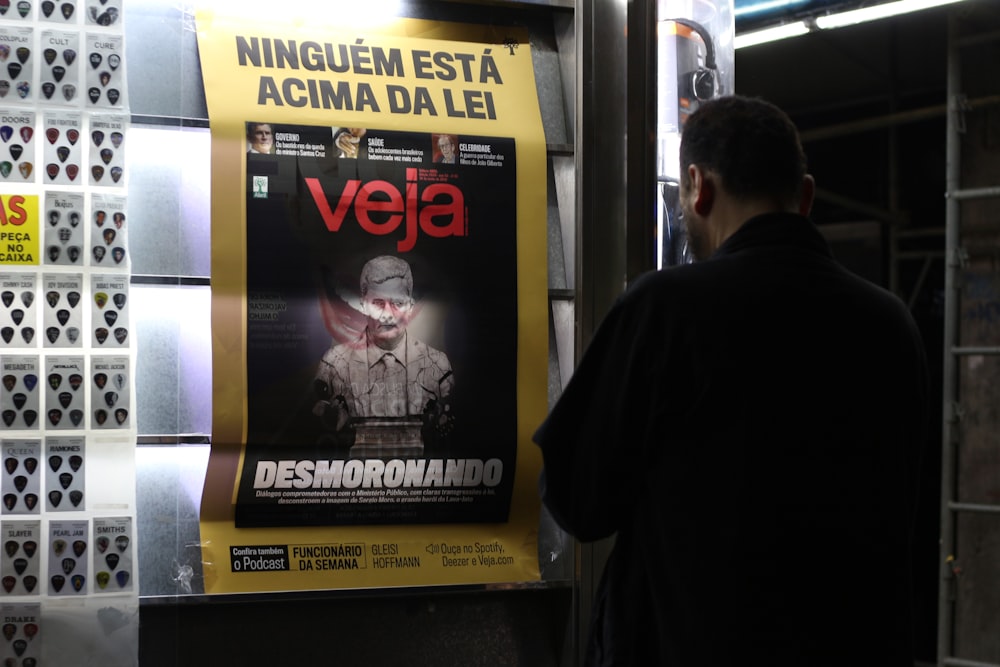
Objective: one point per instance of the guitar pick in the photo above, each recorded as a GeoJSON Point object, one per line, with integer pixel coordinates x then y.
{"type": "Point", "coordinates": [31, 465]}
{"type": "Point", "coordinates": [112, 560]}
{"type": "Point", "coordinates": [72, 170]}
{"type": "Point", "coordinates": [4, 87]}
{"type": "Point", "coordinates": [73, 298]}
{"type": "Point", "coordinates": [72, 334]}
{"type": "Point", "coordinates": [17, 315]}
{"type": "Point", "coordinates": [68, 565]}
{"type": "Point", "coordinates": [75, 497]}
{"type": "Point", "coordinates": [73, 252]}
{"type": "Point", "coordinates": [55, 416]}
{"type": "Point", "coordinates": [110, 317]}
{"type": "Point", "coordinates": [122, 577]}
{"type": "Point", "coordinates": [29, 418]}
{"type": "Point", "coordinates": [30, 630]}
{"type": "Point", "coordinates": [7, 334]}
{"type": "Point", "coordinates": [48, 7]}
{"type": "Point", "coordinates": [58, 72]}
{"type": "Point", "coordinates": [119, 380]}
{"type": "Point", "coordinates": [9, 382]}
{"type": "Point", "coordinates": [65, 479]}
{"type": "Point", "coordinates": [102, 543]}
{"type": "Point", "coordinates": [75, 461]}
{"type": "Point", "coordinates": [109, 236]}
{"type": "Point", "coordinates": [105, 78]}
{"type": "Point", "coordinates": [69, 91]}
{"type": "Point", "coordinates": [52, 169]}
{"type": "Point", "coordinates": [9, 500]}
{"type": "Point", "coordinates": [59, 546]}
{"type": "Point", "coordinates": [10, 464]}
{"type": "Point", "coordinates": [94, 94]}
{"type": "Point", "coordinates": [27, 298]}
{"type": "Point", "coordinates": [49, 55]}
{"type": "Point", "coordinates": [114, 60]}
{"type": "Point", "coordinates": [121, 543]}
{"type": "Point", "coordinates": [23, 53]}
{"type": "Point", "coordinates": [100, 416]}
{"type": "Point", "coordinates": [25, 169]}
{"type": "Point", "coordinates": [74, 219]}
{"type": "Point", "coordinates": [62, 152]}
{"type": "Point", "coordinates": [4, 48]}
{"type": "Point", "coordinates": [20, 565]}
{"type": "Point", "coordinates": [11, 547]}
{"type": "Point", "coordinates": [7, 298]}
{"type": "Point", "coordinates": [72, 135]}
{"type": "Point", "coordinates": [13, 69]}
{"type": "Point", "coordinates": [30, 581]}
{"type": "Point", "coordinates": [98, 137]}
{"type": "Point", "coordinates": [55, 497]}
{"type": "Point", "coordinates": [5, 168]}
{"type": "Point", "coordinates": [23, 8]}
{"type": "Point", "coordinates": [106, 156]}
{"type": "Point", "coordinates": [79, 547]}
{"type": "Point", "coordinates": [67, 10]}
{"type": "Point", "coordinates": [55, 461]}
{"type": "Point", "coordinates": [111, 398]}
{"type": "Point", "coordinates": [102, 578]}
{"type": "Point", "coordinates": [6, 132]}
{"type": "Point", "coordinates": [64, 236]}
{"type": "Point", "coordinates": [23, 89]}
{"type": "Point", "coordinates": [109, 16]}
{"type": "Point", "coordinates": [65, 399]}
{"type": "Point", "coordinates": [113, 95]}
{"type": "Point", "coordinates": [95, 60]}
{"type": "Point", "coordinates": [99, 218]}
{"type": "Point", "coordinates": [116, 172]}
{"type": "Point", "coordinates": [52, 134]}
{"type": "Point", "coordinates": [100, 333]}
{"type": "Point", "coordinates": [57, 581]}
{"type": "Point", "coordinates": [54, 380]}
{"type": "Point", "coordinates": [97, 171]}
{"type": "Point", "coordinates": [100, 379]}
{"type": "Point", "coordinates": [20, 483]}
{"type": "Point", "coordinates": [75, 417]}
{"type": "Point", "coordinates": [52, 333]}
{"type": "Point", "coordinates": [118, 254]}
{"type": "Point", "coordinates": [8, 584]}
{"type": "Point", "coordinates": [121, 416]}
{"type": "Point", "coordinates": [121, 333]}
{"type": "Point", "coordinates": [30, 546]}
{"type": "Point", "coordinates": [69, 55]}
{"type": "Point", "coordinates": [116, 139]}
{"type": "Point", "coordinates": [8, 417]}
{"type": "Point", "coordinates": [119, 300]}
{"type": "Point", "coordinates": [19, 400]}
{"type": "Point", "coordinates": [9, 630]}
{"type": "Point", "coordinates": [31, 381]}
{"type": "Point", "coordinates": [16, 150]}
{"type": "Point", "coordinates": [62, 315]}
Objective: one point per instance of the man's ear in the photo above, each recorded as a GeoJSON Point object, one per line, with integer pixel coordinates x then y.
{"type": "Point", "coordinates": [808, 194]}
{"type": "Point", "coordinates": [702, 190]}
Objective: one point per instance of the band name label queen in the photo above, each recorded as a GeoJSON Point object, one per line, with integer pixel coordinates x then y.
{"type": "Point", "coordinates": [438, 209]}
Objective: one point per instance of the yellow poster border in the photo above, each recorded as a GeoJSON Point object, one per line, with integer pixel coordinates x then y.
{"type": "Point", "coordinates": [517, 115]}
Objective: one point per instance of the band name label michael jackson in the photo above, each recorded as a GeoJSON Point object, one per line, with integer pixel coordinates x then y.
{"type": "Point", "coordinates": [437, 209]}
{"type": "Point", "coordinates": [376, 473]}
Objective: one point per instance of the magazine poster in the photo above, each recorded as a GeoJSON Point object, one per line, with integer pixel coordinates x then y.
{"type": "Point", "coordinates": [379, 305]}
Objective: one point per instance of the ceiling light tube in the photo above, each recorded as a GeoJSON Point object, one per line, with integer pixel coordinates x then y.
{"type": "Point", "coordinates": [877, 12]}
{"type": "Point", "coordinates": [770, 34]}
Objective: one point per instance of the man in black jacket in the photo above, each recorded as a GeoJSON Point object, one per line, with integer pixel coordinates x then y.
{"type": "Point", "coordinates": [748, 428]}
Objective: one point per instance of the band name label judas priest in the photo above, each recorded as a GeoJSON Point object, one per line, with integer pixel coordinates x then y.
{"type": "Point", "coordinates": [437, 209]}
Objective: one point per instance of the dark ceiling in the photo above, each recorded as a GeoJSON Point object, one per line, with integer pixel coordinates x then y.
{"type": "Point", "coordinates": [869, 101]}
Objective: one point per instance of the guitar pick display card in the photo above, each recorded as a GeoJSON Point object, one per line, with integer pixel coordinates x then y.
{"type": "Point", "coordinates": [21, 645]}
{"type": "Point", "coordinates": [59, 81]}
{"type": "Point", "coordinates": [113, 571]}
{"type": "Point", "coordinates": [111, 398]}
{"type": "Point", "coordinates": [18, 316]}
{"type": "Point", "coordinates": [64, 228]}
{"type": "Point", "coordinates": [108, 234]}
{"type": "Point", "coordinates": [63, 151]}
{"type": "Point", "coordinates": [19, 563]}
{"type": "Point", "coordinates": [63, 11]}
{"type": "Point", "coordinates": [110, 310]}
{"type": "Point", "coordinates": [107, 149]}
{"type": "Point", "coordinates": [19, 483]}
{"type": "Point", "coordinates": [19, 392]}
{"type": "Point", "coordinates": [65, 474]}
{"type": "Point", "coordinates": [17, 145]}
{"type": "Point", "coordinates": [62, 318]}
{"type": "Point", "coordinates": [17, 62]}
{"type": "Point", "coordinates": [67, 573]}
{"type": "Point", "coordinates": [64, 392]}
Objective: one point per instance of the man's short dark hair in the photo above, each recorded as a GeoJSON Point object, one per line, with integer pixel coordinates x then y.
{"type": "Point", "coordinates": [386, 267]}
{"type": "Point", "coordinates": [752, 146]}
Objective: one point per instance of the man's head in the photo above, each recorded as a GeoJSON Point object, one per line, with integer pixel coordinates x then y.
{"type": "Point", "coordinates": [387, 299]}
{"type": "Point", "coordinates": [260, 136]}
{"type": "Point", "coordinates": [446, 144]}
{"type": "Point", "coordinates": [739, 157]}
